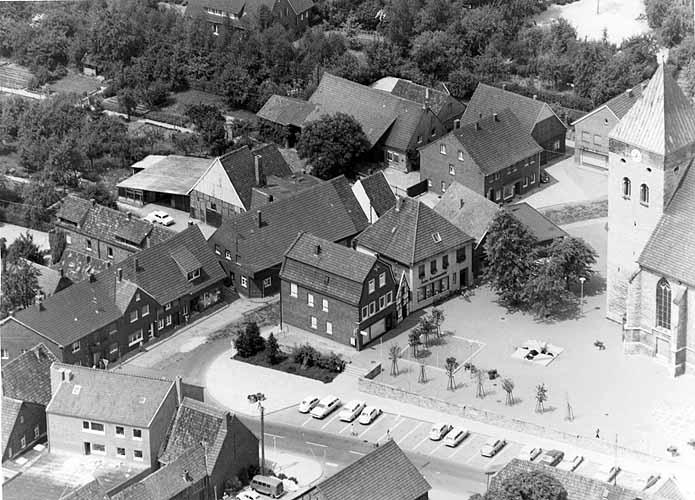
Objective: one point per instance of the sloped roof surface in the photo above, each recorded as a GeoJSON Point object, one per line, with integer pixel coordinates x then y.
{"type": "Point", "coordinates": [407, 234]}
{"type": "Point", "coordinates": [280, 188]}
{"type": "Point", "coordinates": [28, 376]}
{"type": "Point", "coordinates": [441, 103]}
{"type": "Point", "coordinates": [542, 228]}
{"type": "Point", "coordinates": [671, 246]}
{"type": "Point", "coordinates": [299, 6]}
{"type": "Point", "coordinates": [286, 110]}
{"type": "Point", "coordinates": [10, 412]}
{"type": "Point", "coordinates": [496, 143]}
{"type": "Point", "coordinates": [379, 192]}
{"type": "Point", "coordinates": [173, 175]}
{"type": "Point", "coordinates": [467, 210]}
{"type": "Point", "coordinates": [328, 210]}
{"type": "Point", "coordinates": [49, 279]}
{"type": "Point", "coordinates": [385, 473]}
{"type": "Point", "coordinates": [337, 270]}
{"type": "Point", "coordinates": [622, 103]}
{"type": "Point", "coordinates": [107, 396]}
{"type": "Point", "coordinates": [662, 120]}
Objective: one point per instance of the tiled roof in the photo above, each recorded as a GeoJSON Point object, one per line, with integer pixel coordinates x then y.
{"type": "Point", "coordinates": [172, 175]}
{"type": "Point", "coordinates": [578, 487]}
{"type": "Point", "coordinates": [670, 490]}
{"type": "Point", "coordinates": [50, 280]}
{"type": "Point", "coordinates": [487, 100]}
{"type": "Point", "coordinates": [73, 209]}
{"type": "Point", "coordinates": [328, 210]}
{"type": "Point", "coordinates": [107, 396]}
{"type": "Point", "coordinates": [379, 192]}
{"type": "Point", "coordinates": [662, 120]}
{"type": "Point", "coordinates": [194, 423]}
{"type": "Point", "coordinates": [334, 270]}
{"type": "Point", "coordinates": [169, 481]}
{"type": "Point", "coordinates": [412, 233]}
{"type": "Point", "coordinates": [496, 143]}
{"type": "Point", "coordinates": [386, 473]}
{"type": "Point", "coordinates": [622, 103]}
{"type": "Point", "coordinates": [279, 188]}
{"type": "Point", "coordinates": [161, 276]}
{"type": "Point", "coordinates": [10, 412]}
{"type": "Point", "coordinates": [471, 212]}
{"type": "Point", "coordinates": [286, 110]}
{"type": "Point", "coordinates": [235, 7]}
{"type": "Point", "coordinates": [542, 228]}
{"type": "Point", "coordinates": [28, 376]}
{"type": "Point", "coordinates": [185, 260]}
{"type": "Point", "coordinates": [671, 246]}
{"type": "Point", "coordinates": [299, 6]}
{"type": "Point", "coordinates": [78, 265]}
{"type": "Point", "coordinates": [272, 161]}
{"type": "Point", "coordinates": [441, 103]}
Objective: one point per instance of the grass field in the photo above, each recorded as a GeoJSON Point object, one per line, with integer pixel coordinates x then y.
{"type": "Point", "coordinates": [75, 83]}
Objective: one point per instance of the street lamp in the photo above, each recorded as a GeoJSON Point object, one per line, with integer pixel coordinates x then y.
{"type": "Point", "coordinates": [258, 398]}
{"type": "Point", "coordinates": [489, 474]}
{"type": "Point", "coordinates": [582, 279]}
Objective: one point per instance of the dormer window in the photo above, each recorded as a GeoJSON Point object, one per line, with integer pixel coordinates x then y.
{"type": "Point", "coordinates": [437, 237]}
{"type": "Point", "coordinates": [193, 275]}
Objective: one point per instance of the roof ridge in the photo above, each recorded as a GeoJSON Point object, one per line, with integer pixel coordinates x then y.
{"type": "Point", "coordinates": [110, 372]}
{"type": "Point", "coordinates": [417, 228]}
{"type": "Point", "coordinates": [49, 353]}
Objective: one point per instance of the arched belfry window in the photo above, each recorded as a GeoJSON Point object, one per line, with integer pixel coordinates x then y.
{"type": "Point", "coordinates": [627, 187]}
{"type": "Point", "coordinates": [644, 194]}
{"type": "Point", "coordinates": [663, 304]}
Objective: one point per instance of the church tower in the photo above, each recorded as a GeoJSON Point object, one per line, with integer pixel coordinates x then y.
{"type": "Point", "coordinates": [649, 152]}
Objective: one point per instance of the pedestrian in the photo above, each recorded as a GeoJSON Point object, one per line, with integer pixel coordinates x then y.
{"type": "Point", "coordinates": [388, 434]}
{"type": "Point", "coordinates": [353, 432]}
{"type": "Point", "coordinates": [597, 434]}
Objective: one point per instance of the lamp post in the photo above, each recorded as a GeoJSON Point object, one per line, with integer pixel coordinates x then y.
{"type": "Point", "coordinates": [582, 279]}
{"type": "Point", "coordinates": [258, 398]}
{"type": "Point", "coordinates": [488, 475]}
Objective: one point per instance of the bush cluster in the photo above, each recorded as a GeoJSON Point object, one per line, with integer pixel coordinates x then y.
{"type": "Point", "coordinates": [307, 356]}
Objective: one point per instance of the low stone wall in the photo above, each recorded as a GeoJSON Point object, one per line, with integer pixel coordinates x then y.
{"type": "Point", "coordinates": [567, 213]}
{"type": "Point", "coordinates": [487, 417]}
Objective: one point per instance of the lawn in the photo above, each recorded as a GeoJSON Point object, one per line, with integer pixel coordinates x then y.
{"type": "Point", "coordinates": [439, 349]}
{"type": "Point", "coordinates": [75, 83]}
{"type": "Point", "coordinates": [288, 365]}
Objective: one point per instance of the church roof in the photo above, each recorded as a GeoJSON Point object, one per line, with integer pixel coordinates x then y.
{"type": "Point", "coordinates": [662, 120]}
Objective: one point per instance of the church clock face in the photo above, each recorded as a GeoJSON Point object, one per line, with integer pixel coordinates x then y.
{"type": "Point", "coordinates": [636, 155]}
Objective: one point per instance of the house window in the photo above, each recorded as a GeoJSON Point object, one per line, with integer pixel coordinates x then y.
{"type": "Point", "coordinates": [21, 419]}
{"type": "Point", "coordinates": [324, 305]}
{"type": "Point", "coordinates": [445, 262]}
{"type": "Point", "coordinates": [314, 322]}
{"type": "Point", "coordinates": [109, 252]}
{"type": "Point", "coordinates": [421, 271]}
{"type": "Point", "coordinates": [23, 442]}
{"type": "Point", "coordinates": [68, 239]}
{"type": "Point", "coordinates": [598, 141]}
{"type": "Point", "coordinates": [329, 328]}
{"type": "Point", "coordinates": [88, 243]}
{"type": "Point", "coordinates": [365, 312]}
{"type": "Point", "coordinates": [452, 171]}
{"type": "Point", "coordinates": [228, 255]}
{"type": "Point", "coordinates": [442, 148]}
{"type": "Point", "coordinates": [419, 139]}
{"type": "Point", "coordinates": [120, 431]}
{"type": "Point", "coordinates": [137, 455]}
{"type": "Point", "coordinates": [393, 157]}
{"type": "Point", "coordinates": [217, 249]}
{"type": "Point", "coordinates": [508, 192]}
{"type": "Point", "coordinates": [627, 187]}
{"type": "Point", "coordinates": [663, 304]}
{"type": "Point", "coordinates": [94, 427]}
{"type": "Point", "coordinates": [213, 206]}
{"type": "Point", "coordinates": [389, 298]}
{"type": "Point", "coordinates": [120, 452]}
{"type": "Point", "coordinates": [556, 145]}
{"type": "Point", "coordinates": [526, 181]}
{"type": "Point", "coordinates": [372, 308]}
{"type": "Point", "coordinates": [382, 279]}
{"type": "Point", "coordinates": [37, 432]}
{"type": "Point", "coordinates": [169, 320]}
{"type": "Point", "coordinates": [371, 286]}
{"type": "Point", "coordinates": [293, 290]}
{"type": "Point", "coordinates": [193, 275]}
{"type": "Point", "coordinates": [644, 195]}
{"type": "Point", "coordinates": [133, 316]}
{"type": "Point", "coordinates": [145, 310]}
{"type": "Point", "coordinates": [310, 300]}
{"type": "Point", "coordinates": [443, 187]}
{"type": "Point", "coordinates": [267, 282]}
{"type": "Point", "coordinates": [137, 297]}
{"type": "Point", "coordinates": [215, 29]}
{"type": "Point", "coordinates": [498, 194]}
{"type": "Point", "coordinates": [382, 302]}
{"type": "Point", "coordinates": [137, 433]}
{"type": "Point", "coordinates": [98, 449]}
{"type": "Point", "coordinates": [434, 132]}
{"type": "Point", "coordinates": [4, 354]}
{"type": "Point", "coordinates": [244, 282]}
{"type": "Point", "coordinates": [433, 266]}
{"type": "Point", "coordinates": [586, 137]}
{"type": "Point", "coordinates": [76, 346]}
{"type": "Point", "coordinates": [167, 306]}
{"type": "Point", "coordinates": [533, 178]}
{"type": "Point", "coordinates": [160, 324]}
{"type": "Point", "coordinates": [460, 255]}
{"type": "Point", "coordinates": [429, 183]}
{"type": "Point", "coordinates": [150, 330]}
{"type": "Point", "coordinates": [135, 338]}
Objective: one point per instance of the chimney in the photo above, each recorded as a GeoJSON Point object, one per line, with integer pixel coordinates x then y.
{"type": "Point", "coordinates": [457, 124]}
{"type": "Point", "coordinates": [179, 390]}
{"type": "Point", "coordinates": [92, 277]}
{"type": "Point", "coordinates": [129, 215]}
{"type": "Point", "coordinates": [461, 203]}
{"type": "Point", "coordinates": [629, 92]}
{"type": "Point", "coordinates": [399, 202]}
{"type": "Point", "coordinates": [62, 273]}
{"type": "Point", "coordinates": [427, 98]}
{"type": "Point", "coordinates": [39, 304]}
{"type": "Point", "coordinates": [317, 249]}
{"type": "Point", "coordinates": [480, 116]}
{"type": "Point", "coordinates": [258, 169]}
{"type": "Point", "coordinates": [120, 274]}
{"type": "Point", "coordinates": [136, 264]}
{"type": "Point", "coordinates": [644, 85]}
{"type": "Point", "coordinates": [504, 86]}
{"type": "Point", "coordinates": [94, 202]}
{"type": "Point", "coordinates": [495, 117]}
{"type": "Point", "coordinates": [535, 97]}
{"type": "Point", "coordinates": [190, 222]}
{"type": "Point", "coordinates": [259, 218]}
{"type": "Point", "coordinates": [477, 125]}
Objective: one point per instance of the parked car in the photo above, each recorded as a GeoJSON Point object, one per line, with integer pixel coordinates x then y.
{"type": "Point", "coordinates": [351, 410]}
{"type": "Point", "coordinates": [607, 473]}
{"type": "Point", "coordinates": [369, 414]}
{"type": "Point", "coordinates": [325, 407]}
{"type": "Point", "coordinates": [552, 457]}
{"type": "Point", "coordinates": [455, 436]}
{"type": "Point", "coordinates": [545, 178]}
{"type": "Point", "coordinates": [160, 217]}
{"type": "Point", "coordinates": [571, 463]}
{"type": "Point", "coordinates": [439, 430]}
{"type": "Point", "coordinates": [529, 453]}
{"type": "Point", "coordinates": [492, 447]}
{"type": "Point", "coordinates": [248, 495]}
{"type": "Point", "coordinates": [308, 404]}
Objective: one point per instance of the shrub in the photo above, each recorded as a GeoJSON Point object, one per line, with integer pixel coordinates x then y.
{"type": "Point", "coordinates": [249, 342]}
{"type": "Point", "coordinates": [492, 374]}
{"type": "Point", "coordinates": [272, 350]}
{"type": "Point", "coordinates": [307, 356]}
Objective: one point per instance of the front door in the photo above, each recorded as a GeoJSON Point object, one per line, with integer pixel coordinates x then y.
{"type": "Point", "coordinates": [87, 448]}
{"type": "Point", "coordinates": [463, 278]}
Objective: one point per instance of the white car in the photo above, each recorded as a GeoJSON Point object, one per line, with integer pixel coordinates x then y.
{"type": "Point", "coordinates": [552, 457]}
{"type": "Point", "coordinates": [248, 495]}
{"type": "Point", "coordinates": [492, 447]}
{"type": "Point", "coordinates": [160, 217]}
{"type": "Point", "coordinates": [351, 410]}
{"type": "Point", "coordinates": [607, 473]}
{"type": "Point", "coordinates": [369, 414]}
{"type": "Point", "coordinates": [439, 430]}
{"type": "Point", "coordinates": [571, 463]}
{"type": "Point", "coordinates": [455, 436]}
{"type": "Point", "coordinates": [529, 453]}
{"type": "Point", "coordinates": [308, 404]}
{"type": "Point", "coordinates": [325, 407]}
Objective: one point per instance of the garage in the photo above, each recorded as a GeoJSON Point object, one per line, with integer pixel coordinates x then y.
{"type": "Point", "coordinates": [594, 160]}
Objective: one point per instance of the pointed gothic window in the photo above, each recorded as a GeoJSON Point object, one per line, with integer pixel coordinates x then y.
{"type": "Point", "coordinates": [663, 304]}
{"type": "Point", "coordinates": [627, 187]}
{"type": "Point", "coordinates": [644, 194]}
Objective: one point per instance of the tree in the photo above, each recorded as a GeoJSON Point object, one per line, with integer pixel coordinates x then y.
{"type": "Point", "coordinates": [508, 387]}
{"type": "Point", "coordinates": [424, 328]}
{"type": "Point", "coordinates": [480, 388]}
{"type": "Point", "coordinates": [58, 243]}
{"type": "Point", "coordinates": [235, 85]}
{"type": "Point", "coordinates": [19, 285]}
{"type": "Point", "coordinates": [509, 249]}
{"type": "Point", "coordinates": [689, 77]}
{"type": "Point", "coordinates": [272, 350]}
{"type": "Point", "coordinates": [104, 135]}
{"type": "Point", "coordinates": [451, 366]}
{"type": "Point", "coordinates": [541, 397]}
{"type": "Point", "coordinates": [38, 196]}
{"type": "Point", "coordinates": [332, 144]}
{"type": "Point", "coordinates": [414, 341]}
{"type": "Point", "coordinates": [154, 94]}
{"type": "Point", "coordinates": [545, 292]}
{"type": "Point", "coordinates": [573, 258]}
{"type": "Point", "coordinates": [249, 342]}
{"type": "Point", "coordinates": [437, 317]}
{"type": "Point", "coordinates": [210, 124]}
{"type": "Point", "coordinates": [394, 354]}
{"type": "Point", "coordinates": [24, 248]}
{"type": "Point", "coordinates": [127, 101]}
{"type": "Point", "coordinates": [529, 486]}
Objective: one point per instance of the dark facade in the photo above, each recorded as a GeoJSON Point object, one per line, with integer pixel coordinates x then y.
{"type": "Point", "coordinates": [29, 428]}
{"type": "Point", "coordinates": [550, 137]}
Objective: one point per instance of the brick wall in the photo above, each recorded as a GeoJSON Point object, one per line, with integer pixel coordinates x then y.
{"type": "Point", "coordinates": [78, 241]}
{"type": "Point", "coordinates": [30, 416]}
{"type": "Point", "coordinates": [239, 451]}
{"type": "Point", "coordinates": [201, 201]}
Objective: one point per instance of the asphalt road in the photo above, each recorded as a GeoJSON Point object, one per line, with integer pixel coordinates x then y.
{"type": "Point", "coordinates": [449, 480]}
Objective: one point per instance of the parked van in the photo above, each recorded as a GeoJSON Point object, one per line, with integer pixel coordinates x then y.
{"type": "Point", "coordinates": [267, 485]}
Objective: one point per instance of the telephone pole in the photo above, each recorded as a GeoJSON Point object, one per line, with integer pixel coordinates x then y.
{"type": "Point", "coordinates": [258, 398]}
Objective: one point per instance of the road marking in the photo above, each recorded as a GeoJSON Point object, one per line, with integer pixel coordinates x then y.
{"type": "Point", "coordinates": [316, 444]}
{"type": "Point", "coordinates": [390, 431]}
{"type": "Point", "coordinates": [274, 435]}
{"type": "Point", "coordinates": [329, 422]}
{"type": "Point", "coordinates": [458, 448]}
{"type": "Point", "coordinates": [439, 447]}
{"type": "Point", "coordinates": [331, 464]}
{"type": "Point", "coordinates": [410, 432]}
{"type": "Point", "coordinates": [356, 453]}
{"type": "Point", "coordinates": [307, 421]}
{"type": "Point", "coordinates": [369, 428]}
{"type": "Point", "coordinates": [345, 428]}
{"type": "Point", "coordinates": [426, 438]}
